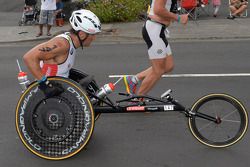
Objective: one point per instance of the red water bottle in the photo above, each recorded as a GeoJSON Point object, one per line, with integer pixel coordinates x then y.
{"type": "Point", "coordinates": [22, 78]}
{"type": "Point", "coordinates": [105, 90]}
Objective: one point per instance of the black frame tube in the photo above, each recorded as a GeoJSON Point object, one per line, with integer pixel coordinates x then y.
{"type": "Point", "coordinates": [168, 104]}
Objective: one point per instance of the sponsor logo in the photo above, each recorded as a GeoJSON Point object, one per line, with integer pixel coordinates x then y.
{"type": "Point", "coordinates": [136, 108]}
{"type": "Point", "coordinates": [168, 107]}
{"type": "Point", "coordinates": [90, 30]}
{"type": "Point", "coordinates": [22, 121]}
{"type": "Point", "coordinates": [87, 121]}
{"type": "Point", "coordinates": [92, 90]}
{"type": "Point", "coordinates": [159, 51]}
{"type": "Point", "coordinates": [152, 108]}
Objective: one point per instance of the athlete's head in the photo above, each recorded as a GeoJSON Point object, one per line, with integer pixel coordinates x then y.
{"type": "Point", "coordinates": [86, 21]}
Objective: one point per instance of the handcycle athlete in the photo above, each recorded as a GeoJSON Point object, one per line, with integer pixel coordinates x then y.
{"type": "Point", "coordinates": [56, 57]}
{"type": "Point", "coordinates": [56, 121]}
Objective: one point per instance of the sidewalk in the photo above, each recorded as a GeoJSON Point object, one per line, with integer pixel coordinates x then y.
{"type": "Point", "coordinates": [210, 29]}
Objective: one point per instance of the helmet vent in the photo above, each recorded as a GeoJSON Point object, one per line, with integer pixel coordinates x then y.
{"type": "Point", "coordinates": [75, 24]}
{"type": "Point", "coordinates": [79, 19]}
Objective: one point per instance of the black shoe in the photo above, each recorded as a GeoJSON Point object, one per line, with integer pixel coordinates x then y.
{"type": "Point", "coordinates": [231, 17]}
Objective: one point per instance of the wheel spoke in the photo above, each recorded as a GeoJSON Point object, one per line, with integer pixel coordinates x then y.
{"type": "Point", "coordinates": [204, 126]}
{"type": "Point", "coordinates": [228, 120]}
{"type": "Point", "coordinates": [229, 114]}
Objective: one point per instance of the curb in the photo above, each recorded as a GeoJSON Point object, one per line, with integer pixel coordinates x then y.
{"type": "Point", "coordinates": [121, 39]}
{"type": "Point", "coordinates": [131, 32]}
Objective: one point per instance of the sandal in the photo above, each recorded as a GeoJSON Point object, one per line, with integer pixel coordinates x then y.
{"type": "Point", "coordinates": [39, 34]}
{"type": "Point", "coordinates": [48, 34]}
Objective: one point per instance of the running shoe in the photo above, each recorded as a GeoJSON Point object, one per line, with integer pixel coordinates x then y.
{"type": "Point", "coordinates": [129, 84]}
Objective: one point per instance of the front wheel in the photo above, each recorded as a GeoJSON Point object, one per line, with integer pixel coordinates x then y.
{"type": "Point", "coordinates": [218, 120]}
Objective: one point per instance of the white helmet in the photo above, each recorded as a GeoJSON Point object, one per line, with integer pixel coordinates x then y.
{"type": "Point", "coordinates": [85, 20]}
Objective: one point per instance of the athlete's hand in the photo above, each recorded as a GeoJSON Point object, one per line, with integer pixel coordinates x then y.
{"type": "Point", "coordinates": [184, 19]}
{"type": "Point", "coordinates": [50, 88]}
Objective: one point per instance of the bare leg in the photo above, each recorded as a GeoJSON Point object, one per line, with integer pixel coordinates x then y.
{"type": "Point", "coordinates": [40, 30]}
{"type": "Point", "coordinates": [144, 73]}
{"type": "Point", "coordinates": [48, 30]}
{"type": "Point", "coordinates": [240, 10]}
{"type": "Point", "coordinates": [216, 9]}
{"type": "Point", "coordinates": [233, 9]}
{"type": "Point", "coordinates": [151, 75]}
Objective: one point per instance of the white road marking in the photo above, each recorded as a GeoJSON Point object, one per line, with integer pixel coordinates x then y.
{"type": "Point", "coordinates": [194, 75]}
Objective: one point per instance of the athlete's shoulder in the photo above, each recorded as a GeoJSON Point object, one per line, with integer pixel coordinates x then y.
{"type": "Point", "coordinates": [60, 42]}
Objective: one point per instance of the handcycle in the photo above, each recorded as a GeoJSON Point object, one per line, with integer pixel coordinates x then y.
{"type": "Point", "coordinates": [59, 127]}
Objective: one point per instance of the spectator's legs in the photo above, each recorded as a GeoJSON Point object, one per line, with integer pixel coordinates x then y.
{"type": "Point", "coordinates": [216, 9]}
{"type": "Point", "coordinates": [48, 29]}
{"type": "Point", "coordinates": [40, 30]}
{"type": "Point", "coordinates": [41, 22]}
{"type": "Point", "coordinates": [50, 20]}
{"type": "Point", "coordinates": [240, 10]}
{"type": "Point", "coordinates": [232, 9]}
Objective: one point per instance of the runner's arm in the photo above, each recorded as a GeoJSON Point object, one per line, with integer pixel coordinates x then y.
{"type": "Point", "coordinates": [160, 11]}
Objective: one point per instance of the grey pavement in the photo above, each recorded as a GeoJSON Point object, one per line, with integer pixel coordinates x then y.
{"type": "Point", "coordinates": [208, 29]}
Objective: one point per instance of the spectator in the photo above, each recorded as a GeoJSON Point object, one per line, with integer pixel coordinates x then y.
{"type": "Point", "coordinates": [237, 7]}
{"type": "Point", "coordinates": [29, 4]}
{"type": "Point", "coordinates": [47, 16]}
{"type": "Point", "coordinates": [59, 13]}
{"type": "Point", "coordinates": [216, 5]}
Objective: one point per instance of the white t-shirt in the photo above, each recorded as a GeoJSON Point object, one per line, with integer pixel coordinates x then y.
{"type": "Point", "coordinates": [48, 4]}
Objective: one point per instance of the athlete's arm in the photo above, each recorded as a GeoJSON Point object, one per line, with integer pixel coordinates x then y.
{"type": "Point", "coordinates": [46, 51]}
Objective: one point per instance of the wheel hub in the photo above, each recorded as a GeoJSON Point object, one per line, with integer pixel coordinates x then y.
{"type": "Point", "coordinates": [53, 120]}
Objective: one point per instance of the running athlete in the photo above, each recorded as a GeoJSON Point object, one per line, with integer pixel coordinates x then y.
{"type": "Point", "coordinates": [56, 56]}
{"type": "Point", "coordinates": [159, 51]}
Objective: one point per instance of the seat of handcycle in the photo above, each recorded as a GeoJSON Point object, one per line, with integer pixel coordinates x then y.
{"type": "Point", "coordinates": [85, 80]}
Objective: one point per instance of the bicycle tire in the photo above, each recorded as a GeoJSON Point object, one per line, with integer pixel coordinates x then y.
{"type": "Point", "coordinates": [55, 131]}
{"type": "Point", "coordinates": [232, 120]}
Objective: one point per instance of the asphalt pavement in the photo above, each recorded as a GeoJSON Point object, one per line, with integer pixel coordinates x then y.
{"type": "Point", "coordinates": [201, 29]}
{"type": "Point", "coordinates": [138, 140]}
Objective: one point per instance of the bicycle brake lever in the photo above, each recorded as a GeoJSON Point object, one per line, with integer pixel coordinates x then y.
{"type": "Point", "coordinates": [165, 94]}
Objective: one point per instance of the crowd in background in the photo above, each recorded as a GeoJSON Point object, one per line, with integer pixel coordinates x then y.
{"type": "Point", "coordinates": [51, 11]}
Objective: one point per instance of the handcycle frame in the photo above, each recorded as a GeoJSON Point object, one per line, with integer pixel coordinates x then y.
{"type": "Point", "coordinates": [65, 123]}
{"type": "Point", "coordinates": [167, 103]}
